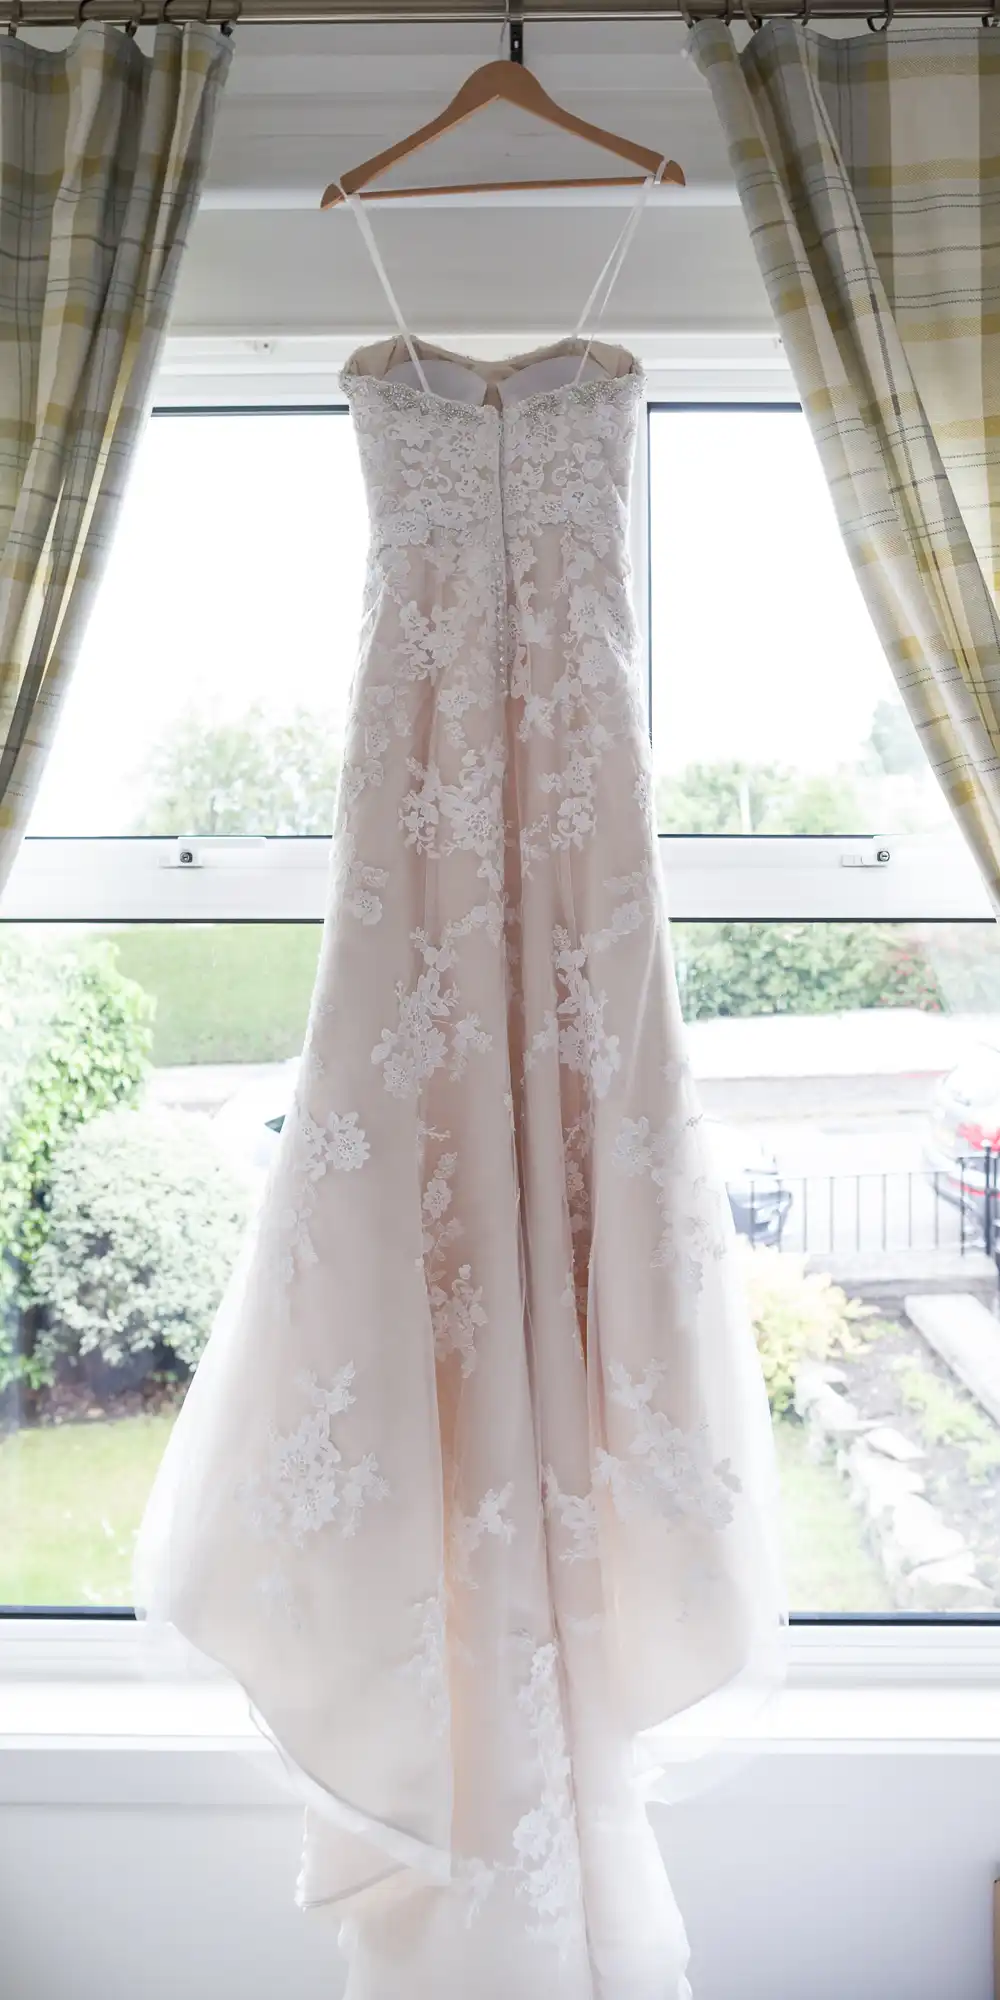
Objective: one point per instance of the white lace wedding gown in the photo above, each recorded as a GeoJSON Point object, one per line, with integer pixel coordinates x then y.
{"type": "Point", "coordinates": [471, 1491]}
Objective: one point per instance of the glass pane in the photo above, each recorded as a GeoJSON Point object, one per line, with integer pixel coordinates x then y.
{"type": "Point", "coordinates": [140, 1072]}
{"type": "Point", "coordinates": [774, 710]}
{"type": "Point", "coordinates": [852, 1076]}
{"type": "Point", "coordinates": [211, 690]}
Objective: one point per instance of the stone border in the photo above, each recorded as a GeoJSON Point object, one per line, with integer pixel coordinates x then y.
{"type": "Point", "coordinates": [927, 1565]}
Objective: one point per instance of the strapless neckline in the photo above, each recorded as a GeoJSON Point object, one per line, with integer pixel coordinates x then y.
{"type": "Point", "coordinates": [390, 368]}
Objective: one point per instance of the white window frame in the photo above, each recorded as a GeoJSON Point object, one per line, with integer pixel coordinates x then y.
{"type": "Point", "coordinates": [202, 879]}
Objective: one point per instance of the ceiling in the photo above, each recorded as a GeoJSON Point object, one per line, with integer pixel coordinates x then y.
{"type": "Point", "coordinates": [305, 104]}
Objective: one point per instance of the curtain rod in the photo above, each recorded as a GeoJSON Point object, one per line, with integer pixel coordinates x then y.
{"type": "Point", "coordinates": [69, 13]}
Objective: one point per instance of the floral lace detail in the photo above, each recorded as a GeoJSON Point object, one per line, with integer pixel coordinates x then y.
{"type": "Point", "coordinates": [576, 1517]}
{"type": "Point", "coordinates": [308, 1484]}
{"type": "Point", "coordinates": [668, 1470]}
{"type": "Point", "coordinates": [428, 1669]}
{"type": "Point", "coordinates": [430, 470]}
{"type": "Point", "coordinates": [547, 1869]}
{"type": "Point", "coordinates": [578, 1033]}
{"type": "Point", "coordinates": [457, 1311]}
{"type": "Point", "coordinates": [567, 462]}
{"type": "Point", "coordinates": [469, 813]}
{"type": "Point", "coordinates": [692, 1203]}
{"type": "Point", "coordinates": [577, 1029]}
{"type": "Point", "coordinates": [412, 1051]}
{"type": "Point", "coordinates": [469, 1530]}
{"type": "Point", "coordinates": [340, 1144]}
{"type": "Point", "coordinates": [361, 898]}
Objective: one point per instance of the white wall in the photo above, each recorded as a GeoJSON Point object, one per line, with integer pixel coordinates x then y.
{"type": "Point", "coordinates": [851, 1876]}
{"type": "Point", "coordinates": [303, 105]}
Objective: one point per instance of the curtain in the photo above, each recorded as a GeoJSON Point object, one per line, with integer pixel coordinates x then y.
{"type": "Point", "coordinates": [102, 155]}
{"type": "Point", "coordinates": [869, 172]}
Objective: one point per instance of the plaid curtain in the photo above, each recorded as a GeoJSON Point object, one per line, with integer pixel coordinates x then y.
{"type": "Point", "coordinates": [869, 173]}
{"type": "Point", "coordinates": [102, 154]}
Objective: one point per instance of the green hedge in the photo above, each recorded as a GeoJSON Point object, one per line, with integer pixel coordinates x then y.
{"type": "Point", "coordinates": [225, 993]}
{"type": "Point", "coordinates": [74, 1039]}
{"type": "Point", "coordinates": [145, 1219]}
{"type": "Point", "coordinates": [741, 969]}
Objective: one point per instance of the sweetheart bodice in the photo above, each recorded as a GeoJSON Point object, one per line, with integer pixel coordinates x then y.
{"type": "Point", "coordinates": [501, 385]}
{"type": "Point", "coordinates": [441, 469]}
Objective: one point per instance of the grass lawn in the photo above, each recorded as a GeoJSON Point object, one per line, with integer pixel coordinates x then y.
{"type": "Point", "coordinates": [225, 993]}
{"type": "Point", "coordinates": [828, 1565]}
{"type": "Point", "coordinates": [71, 1498]}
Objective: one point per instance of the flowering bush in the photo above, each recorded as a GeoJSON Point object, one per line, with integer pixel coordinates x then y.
{"type": "Point", "coordinates": [144, 1224]}
{"type": "Point", "coordinates": [796, 1313]}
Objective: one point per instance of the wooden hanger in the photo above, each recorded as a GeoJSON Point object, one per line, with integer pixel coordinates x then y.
{"type": "Point", "coordinates": [506, 82]}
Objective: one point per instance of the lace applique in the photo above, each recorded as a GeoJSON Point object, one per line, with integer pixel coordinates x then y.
{"type": "Point", "coordinates": [566, 465]}
{"type": "Point", "coordinates": [469, 814]}
{"type": "Point", "coordinates": [469, 1530]}
{"type": "Point", "coordinates": [577, 1028]}
{"type": "Point", "coordinates": [417, 1046]}
{"type": "Point", "coordinates": [361, 898]}
{"type": "Point", "coordinates": [428, 1667]}
{"type": "Point", "coordinates": [693, 1206]}
{"type": "Point", "coordinates": [308, 1484]}
{"type": "Point", "coordinates": [547, 1870]}
{"type": "Point", "coordinates": [339, 1144]}
{"type": "Point", "coordinates": [667, 1469]}
{"type": "Point", "coordinates": [430, 470]}
{"type": "Point", "coordinates": [457, 1311]}
{"type": "Point", "coordinates": [576, 1516]}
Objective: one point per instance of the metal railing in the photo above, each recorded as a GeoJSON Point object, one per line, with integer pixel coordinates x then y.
{"type": "Point", "coordinates": [946, 1209]}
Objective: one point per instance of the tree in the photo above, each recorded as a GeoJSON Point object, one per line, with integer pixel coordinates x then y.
{"type": "Point", "coordinates": [732, 797]}
{"type": "Point", "coordinates": [893, 743]}
{"type": "Point", "coordinates": [257, 775]}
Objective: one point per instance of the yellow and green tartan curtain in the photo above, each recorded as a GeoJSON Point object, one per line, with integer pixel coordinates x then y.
{"type": "Point", "coordinates": [102, 155]}
{"type": "Point", "coordinates": [869, 172]}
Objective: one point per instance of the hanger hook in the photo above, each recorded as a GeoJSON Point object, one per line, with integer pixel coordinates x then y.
{"type": "Point", "coordinates": [754, 21]}
{"type": "Point", "coordinates": [16, 11]}
{"type": "Point", "coordinates": [881, 27]}
{"type": "Point", "coordinates": [804, 14]}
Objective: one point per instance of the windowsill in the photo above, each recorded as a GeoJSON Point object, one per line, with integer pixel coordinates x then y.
{"type": "Point", "coordinates": [89, 1716]}
{"type": "Point", "coordinates": [151, 1743]}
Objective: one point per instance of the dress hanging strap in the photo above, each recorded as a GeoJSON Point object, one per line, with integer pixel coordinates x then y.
{"type": "Point", "coordinates": [355, 202]}
{"type": "Point", "coordinates": [608, 275]}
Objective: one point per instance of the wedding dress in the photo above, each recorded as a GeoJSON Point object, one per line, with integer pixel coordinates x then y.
{"type": "Point", "coordinates": [472, 1489]}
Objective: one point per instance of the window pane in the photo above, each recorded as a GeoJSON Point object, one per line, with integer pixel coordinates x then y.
{"type": "Point", "coordinates": [852, 1077]}
{"type": "Point", "coordinates": [210, 693]}
{"type": "Point", "coordinates": [140, 1070]}
{"type": "Point", "coordinates": [774, 710]}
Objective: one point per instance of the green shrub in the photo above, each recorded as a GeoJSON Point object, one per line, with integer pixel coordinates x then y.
{"type": "Point", "coordinates": [144, 1224]}
{"type": "Point", "coordinates": [225, 993]}
{"type": "Point", "coordinates": [741, 968]}
{"type": "Point", "coordinates": [796, 1314]}
{"type": "Point", "coordinates": [74, 1039]}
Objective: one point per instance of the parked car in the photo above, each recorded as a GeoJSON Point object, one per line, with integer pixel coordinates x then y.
{"type": "Point", "coordinates": [249, 1122]}
{"type": "Point", "coordinates": [963, 1146]}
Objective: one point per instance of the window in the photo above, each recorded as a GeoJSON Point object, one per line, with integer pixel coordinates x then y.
{"type": "Point", "coordinates": [774, 709]}
{"type": "Point", "coordinates": [836, 963]}
{"type": "Point", "coordinates": [211, 691]}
